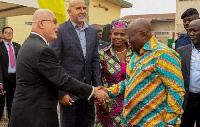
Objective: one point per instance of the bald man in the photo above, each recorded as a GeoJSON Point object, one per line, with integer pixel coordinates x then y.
{"type": "Point", "coordinates": [77, 51]}
{"type": "Point", "coordinates": [190, 68]}
{"type": "Point", "coordinates": [39, 76]}
{"type": "Point", "coordinates": [153, 89]}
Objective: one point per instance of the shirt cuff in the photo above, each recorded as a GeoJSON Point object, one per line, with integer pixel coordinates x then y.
{"type": "Point", "coordinates": [91, 93]}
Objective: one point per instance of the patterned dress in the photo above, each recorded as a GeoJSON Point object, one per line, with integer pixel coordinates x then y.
{"type": "Point", "coordinates": [112, 72]}
{"type": "Point", "coordinates": [153, 89]}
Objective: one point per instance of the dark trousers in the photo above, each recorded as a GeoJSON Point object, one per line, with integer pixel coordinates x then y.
{"type": "Point", "coordinates": [9, 86]}
{"type": "Point", "coordinates": [192, 111]}
{"type": "Point", "coordinates": [80, 114]}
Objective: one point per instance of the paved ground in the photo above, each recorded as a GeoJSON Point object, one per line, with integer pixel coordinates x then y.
{"type": "Point", "coordinates": [4, 123]}
{"type": "Point", "coordinates": [4, 120]}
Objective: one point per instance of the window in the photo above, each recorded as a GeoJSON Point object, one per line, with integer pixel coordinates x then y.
{"type": "Point", "coordinates": [161, 33]}
{"type": "Point", "coordinates": [2, 24]}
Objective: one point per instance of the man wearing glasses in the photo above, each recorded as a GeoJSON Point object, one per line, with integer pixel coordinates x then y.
{"type": "Point", "coordinates": [40, 75]}
{"type": "Point", "coordinates": [153, 89]}
{"type": "Point", "coordinates": [8, 56]}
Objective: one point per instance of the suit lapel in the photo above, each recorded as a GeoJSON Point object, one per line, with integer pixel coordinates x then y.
{"type": "Point", "coordinates": [75, 37]}
{"type": "Point", "coordinates": [88, 41]}
{"type": "Point", "coordinates": [5, 53]}
{"type": "Point", "coordinates": [188, 53]}
{"type": "Point", "coordinates": [15, 49]}
{"type": "Point", "coordinates": [4, 48]}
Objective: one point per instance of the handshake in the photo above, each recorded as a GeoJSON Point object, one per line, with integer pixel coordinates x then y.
{"type": "Point", "coordinates": [100, 94]}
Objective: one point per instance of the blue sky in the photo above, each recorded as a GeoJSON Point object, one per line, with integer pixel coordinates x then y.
{"type": "Point", "coordinates": [150, 7]}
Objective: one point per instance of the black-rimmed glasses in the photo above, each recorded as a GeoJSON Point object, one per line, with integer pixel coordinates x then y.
{"type": "Point", "coordinates": [53, 20]}
{"type": "Point", "coordinates": [133, 34]}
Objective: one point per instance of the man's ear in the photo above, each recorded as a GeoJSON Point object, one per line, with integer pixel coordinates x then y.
{"type": "Point", "coordinates": [69, 12]}
{"type": "Point", "coordinates": [40, 24]}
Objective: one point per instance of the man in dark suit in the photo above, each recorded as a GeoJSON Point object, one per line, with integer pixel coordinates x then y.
{"type": "Point", "coordinates": [102, 44]}
{"type": "Point", "coordinates": [77, 51]}
{"type": "Point", "coordinates": [8, 56]}
{"type": "Point", "coordinates": [190, 59]}
{"type": "Point", "coordinates": [39, 76]}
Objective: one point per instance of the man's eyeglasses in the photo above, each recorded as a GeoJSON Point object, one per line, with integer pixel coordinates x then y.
{"type": "Point", "coordinates": [131, 35]}
{"type": "Point", "coordinates": [8, 32]}
{"type": "Point", "coordinates": [53, 20]}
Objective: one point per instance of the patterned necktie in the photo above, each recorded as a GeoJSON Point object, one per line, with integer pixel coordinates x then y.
{"type": "Point", "coordinates": [11, 54]}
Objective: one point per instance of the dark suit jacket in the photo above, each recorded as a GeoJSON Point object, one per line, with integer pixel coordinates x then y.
{"type": "Point", "coordinates": [183, 40]}
{"type": "Point", "coordinates": [39, 76]}
{"type": "Point", "coordinates": [185, 52]}
{"type": "Point", "coordinates": [68, 49]}
{"type": "Point", "coordinates": [4, 59]}
{"type": "Point", "coordinates": [103, 44]}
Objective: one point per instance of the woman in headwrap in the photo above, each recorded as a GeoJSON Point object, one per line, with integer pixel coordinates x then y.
{"type": "Point", "coordinates": [114, 59]}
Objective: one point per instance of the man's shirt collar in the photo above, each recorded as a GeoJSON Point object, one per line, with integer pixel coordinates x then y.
{"type": "Point", "coordinates": [40, 36]}
{"type": "Point", "coordinates": [85, 25]}
{"type": "Point", "coordinates": [148, 46]}
{"type": "Point", "coordinates": [6, 43]}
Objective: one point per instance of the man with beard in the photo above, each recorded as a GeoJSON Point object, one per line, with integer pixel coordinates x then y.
{"type": "Point", "coordinates": [77, 51]}
{"type": "Point", "coordinates": [190, 59]}
{"type": "Point", "coordinates": [189, 15]}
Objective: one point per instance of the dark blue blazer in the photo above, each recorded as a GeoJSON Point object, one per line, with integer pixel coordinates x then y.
{"type": "Point", "coordinates": [183, 40]}
{"type": "Point", "coordinates": [69, 52]}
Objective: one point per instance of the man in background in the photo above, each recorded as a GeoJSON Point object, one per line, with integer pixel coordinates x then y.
{"type": "Point", "coordinates": [190, 59]}
{"type": "Point", "coordinates": [189, 15]}
{"type": "Point", "coordinates": [102, 44]}
{"type": "Point", "coordinates": [77, 51]}
{"type": "Point", "coordinates": [8, 57]}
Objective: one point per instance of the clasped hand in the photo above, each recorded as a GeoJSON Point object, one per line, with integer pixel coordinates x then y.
{"type": "Point", "coordinates": [100, 94]}
{"type": "Point", "coordinates": [1, 89]}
